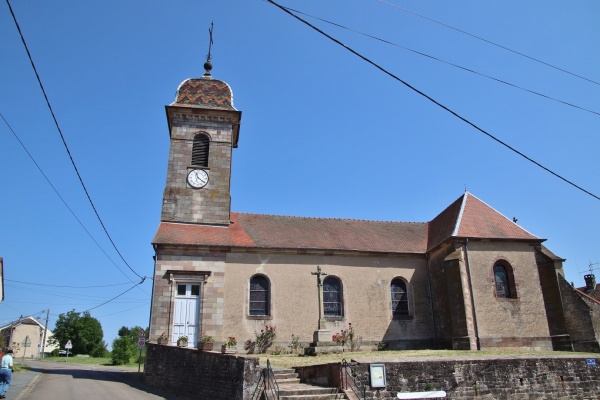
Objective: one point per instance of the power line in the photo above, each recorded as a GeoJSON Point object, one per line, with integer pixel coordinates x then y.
{"type": "Point", "coordinates": [116, 297]}
{"type": "Point", "coordinates": [59, 195]}
{"type": "Point", "coordinates": [65, 143]}
{"type": "Point", "coordinates": [67, 286]}
{"type": "Point", "coordinates": [447, 62]}
{"type": "Point", "coordinates": [432, 100]}
{"type": "Point", "coordinates": [489, 42]}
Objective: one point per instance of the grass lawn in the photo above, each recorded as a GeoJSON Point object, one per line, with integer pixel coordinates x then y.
{"type": "Point", "coordinates": [105, 361]}
{"type": "Point", "coordinates": [294, 360]}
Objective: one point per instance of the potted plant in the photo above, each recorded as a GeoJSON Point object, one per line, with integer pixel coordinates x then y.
{"type": "Point", "coordinates": [162, 339]}
{"type": "Point", "coordinates": [229, 346]}
{"type": "Point", "coordinates": [182, 341]}
{"type": "Point", "coordinates": [206, 343]}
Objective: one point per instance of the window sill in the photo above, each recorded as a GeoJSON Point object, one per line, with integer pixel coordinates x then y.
{"type": "Point", "coordinates": [507, 298]}
{"type": "Point", "coordinates": [259, 317]}
{"type": "Point", "coordinates": [332, 319]}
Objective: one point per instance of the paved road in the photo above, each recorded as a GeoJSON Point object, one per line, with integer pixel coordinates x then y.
{"type": "Point", "coordinates": [85, 382]}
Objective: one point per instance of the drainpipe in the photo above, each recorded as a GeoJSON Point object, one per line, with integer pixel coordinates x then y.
{"type": "Point", "coordinates": [431, 302]}
{"type": "Point", "coordinates": [468, 265]}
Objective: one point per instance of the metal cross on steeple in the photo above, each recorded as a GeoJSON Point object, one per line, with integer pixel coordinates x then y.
{"type": "Point", "coordinates": [208, 64]}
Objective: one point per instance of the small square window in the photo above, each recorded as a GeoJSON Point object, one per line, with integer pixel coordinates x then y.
{"type": "Point", "coordinates": [181, 290]}
{"type": "Point", "coordinates": [195, 290]}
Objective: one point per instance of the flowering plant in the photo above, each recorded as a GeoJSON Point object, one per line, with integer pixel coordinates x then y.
{"type": "Point", "coordinates": [183, 338]}
{"type": "Point", "coordinates": [295, 344]}
{"type": "Point", "coordinates": [263, 340]}
{"type": "Point", "coordinates": [231, 341]}
{"type": "Point", "coordinates": [206, 339]}
{"type": "Point", "coordinates": [339, 338]}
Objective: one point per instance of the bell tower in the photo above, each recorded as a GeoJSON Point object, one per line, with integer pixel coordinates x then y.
{"type": "Point", "coordinates": [204, 128]}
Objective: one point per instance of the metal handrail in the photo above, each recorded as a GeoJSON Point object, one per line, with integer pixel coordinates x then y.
{"type": "Point", "coordinates": [271, 386]}
{"type": "Point", "coordinates": [259, 387]}
{"type": "Point", "coordinates": [352, 380]}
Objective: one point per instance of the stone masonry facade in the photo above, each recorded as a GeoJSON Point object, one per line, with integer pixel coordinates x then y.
{"type": "Point", "coordinates": [211, 204]}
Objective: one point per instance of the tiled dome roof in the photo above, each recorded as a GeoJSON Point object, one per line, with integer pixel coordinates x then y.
{"type": "Point", "coordinates": [204, 92]}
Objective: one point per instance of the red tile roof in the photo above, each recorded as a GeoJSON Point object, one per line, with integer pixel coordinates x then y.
{"type": "Point", "coordinates": [478, 220]}
{"type": "Point", "coordinates": [466, 217]}
{"type": "Point", "coordinates": [273, 231]}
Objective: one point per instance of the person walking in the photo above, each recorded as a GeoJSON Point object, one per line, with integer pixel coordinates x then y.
{"type": "Point", "coordinates": [6, 370]}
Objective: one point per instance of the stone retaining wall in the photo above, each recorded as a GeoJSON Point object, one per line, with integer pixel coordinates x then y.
{"type": "Point", "coordinates": [199, 374]}
{"type": "Point", "coordinates": [505, 378]}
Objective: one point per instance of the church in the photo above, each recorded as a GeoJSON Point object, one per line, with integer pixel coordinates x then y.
{"type": "Point", "coordinates": [468, 279]}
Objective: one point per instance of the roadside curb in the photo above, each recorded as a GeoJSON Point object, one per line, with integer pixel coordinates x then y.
{"type": "Point", "coordinates": [28, 388]}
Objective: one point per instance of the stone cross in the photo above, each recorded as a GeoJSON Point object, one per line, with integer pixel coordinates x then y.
{"type": "Point", "coordinates": [322, 323]}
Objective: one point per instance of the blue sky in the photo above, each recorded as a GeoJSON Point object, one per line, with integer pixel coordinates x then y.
{"type": "Point", "coordinates": [323, 133]}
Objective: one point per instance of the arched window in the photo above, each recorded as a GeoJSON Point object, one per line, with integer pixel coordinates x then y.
{"type": "Point", "coordinates": [260, 295]}
{"type": "Point", "coordinates": [399, 298]}
{"type": "Point", "coordinates": [200, 150]}
{"type": "Point", "coordinates": [504, 281]}
{"type": "Point", "coordinates": [332, 297]}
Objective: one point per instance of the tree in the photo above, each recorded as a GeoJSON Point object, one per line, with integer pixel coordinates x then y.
{"type": "Point", "coordinates": [83, 330]}
{"type": "Point", "coordinates": [125, 346]}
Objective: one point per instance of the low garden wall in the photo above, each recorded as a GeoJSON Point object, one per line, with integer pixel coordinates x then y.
{"type": "Point", "coordinates": [191, 373]}
{"type": "Point", "coordinates": [462, 379]}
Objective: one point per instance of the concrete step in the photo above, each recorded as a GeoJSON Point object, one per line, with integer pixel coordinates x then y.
{"type": "Point", "coordinates": [336, 396]}
{"type": "Point", "coordinates": [286, 381]}
{"type": "Point", "coordinates": [308, 392]}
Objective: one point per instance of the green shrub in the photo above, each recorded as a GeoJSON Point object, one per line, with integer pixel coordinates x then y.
{"type": "Point", "coordinates": [122, 351]}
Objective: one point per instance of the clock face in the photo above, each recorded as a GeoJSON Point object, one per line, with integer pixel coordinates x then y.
{"type": "Point", "coordinates": [197, 178]}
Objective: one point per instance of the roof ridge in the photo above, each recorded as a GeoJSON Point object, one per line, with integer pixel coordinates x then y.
{"type": "Point", "coordinates": [329, 218]}
{"type": "Point", "coordinates": [460, 214]}
{"type": "Point", "coordinates": [504, 216]}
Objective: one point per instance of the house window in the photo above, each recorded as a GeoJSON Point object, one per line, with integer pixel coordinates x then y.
{"type": "Point", "coordinates": [399, 298]}
{"type": "Point", "coordinates": [260, 294]}
{"type": "Point", "coordinates": [200, 150]}
{"type": "Point", "coordinates": [504, 281]}
{"type": "Point", "coordinates": [332, 297]}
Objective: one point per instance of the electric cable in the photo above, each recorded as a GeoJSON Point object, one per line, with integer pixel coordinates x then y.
{"type": "Point", "coordinates": [67, 286]}
{"type": "Point", "coordinates": [446, 62]}
{"type": "Point", "coordinates": [116, 297]}
{"type": "Point", "coordinates": [433, 100]}
{"type": "Point", "coordinates": [59, 195]}
{"type": "Point", "coordinates": [489, 42]}
{"type": "Point", "coordinates": [65, 143]}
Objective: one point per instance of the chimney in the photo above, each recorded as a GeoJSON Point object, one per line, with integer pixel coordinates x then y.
{"type": "Point", "coordinates": [590, 282]}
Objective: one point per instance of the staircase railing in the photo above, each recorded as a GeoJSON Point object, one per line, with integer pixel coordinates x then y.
{"type": "Point", "coordinates": [351, 380]}
{"type": "Point", "coordinates": [271, 386]}
{"type": "Point", "coordinates": [267, 387]}
{"type": "Point", "coordinates": [260, 387]}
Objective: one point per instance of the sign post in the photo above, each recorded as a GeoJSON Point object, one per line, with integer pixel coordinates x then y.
{"type": "Point", "coordinates": [68, 347]}
{"type": "Point", "coordinates": [25, 343]}
{"type": "Point", "coordinates": [141, 345]}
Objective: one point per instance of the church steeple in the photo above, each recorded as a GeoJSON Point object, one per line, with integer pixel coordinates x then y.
{"type": "Point", "coordinates": [204, 128]}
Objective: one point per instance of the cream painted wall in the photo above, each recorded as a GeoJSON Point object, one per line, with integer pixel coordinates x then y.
{"type": "Point", "coordinates": [522, 317]}
{"type": "Point", "coordinates": [294, 305]}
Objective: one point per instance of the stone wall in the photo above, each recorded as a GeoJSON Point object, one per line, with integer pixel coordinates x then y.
{"type": "Point", "coordinates": [582, 315]}
{"type": "Point", "coordinates": [199, 374]}
{"type": "Point", "coordinates": [507, 378]}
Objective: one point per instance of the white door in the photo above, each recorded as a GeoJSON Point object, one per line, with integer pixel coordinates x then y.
{"type": "Point", "coordinates": [187, 308]}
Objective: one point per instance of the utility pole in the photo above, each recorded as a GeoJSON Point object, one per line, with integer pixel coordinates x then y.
{"type": "Point", "coordinates": [45, 332]}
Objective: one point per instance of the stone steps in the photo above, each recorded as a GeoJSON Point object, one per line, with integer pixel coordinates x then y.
{"type": "Point", "coordinates": [290, 388]}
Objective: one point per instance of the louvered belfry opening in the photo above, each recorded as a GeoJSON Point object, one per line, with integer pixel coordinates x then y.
{"type": "Point", "coordinates": [200, 150]}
